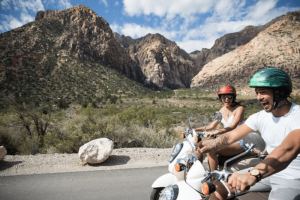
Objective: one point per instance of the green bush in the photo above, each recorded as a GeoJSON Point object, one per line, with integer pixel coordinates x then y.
{"type": "Point", "coordinates": [146, 116]}
{"type": "Point", "coordinates": [127, 115]}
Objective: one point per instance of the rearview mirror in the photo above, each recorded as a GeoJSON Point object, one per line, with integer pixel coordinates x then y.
{"type": "Point", "coordinates": [256, 139]}
{"type": "Point", "coordinates": [218, 116]}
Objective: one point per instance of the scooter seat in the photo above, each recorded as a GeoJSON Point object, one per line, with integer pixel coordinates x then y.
{"type": "Point", "coordinates": [222, 159]}
{"type": "Point", "coordinates": [252, 195]}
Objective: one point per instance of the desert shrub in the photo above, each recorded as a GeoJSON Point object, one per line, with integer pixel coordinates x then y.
{"type": "Point", "coordinates": [127, 115]}
{"type": "Point", "coordinates": [166, 122]}
{"type": "Point", "coordinates": [146, 116]}
{"type": "Point", "coordinates": [113, 99]}
{"type": "Point", "coordinates": [111, 109]}
{"type": "Point", "coordinates": [61, 103]}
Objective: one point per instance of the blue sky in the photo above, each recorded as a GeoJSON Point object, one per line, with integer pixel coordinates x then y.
{"type": "Point", "coordinates": [192, 24]}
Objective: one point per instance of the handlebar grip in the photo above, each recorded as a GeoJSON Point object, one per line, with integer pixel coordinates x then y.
{"type": "Point", "coordinates": [198, 139]}
{"type": "Point", "coordinates": [208, 188]}
{"type": "Point", "coordinates": [225, 185]}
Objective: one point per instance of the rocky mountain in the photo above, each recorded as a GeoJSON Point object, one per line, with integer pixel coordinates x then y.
{"type": "Point", "coordinates": [64, 54]}
{"type": "Point", "coordinates": [162, 62]}
{"type": "Point", "coordinates": [90, 37]}
{"type": "Point", "coordinates": [229, 42]}
{"type": "Point", "coordinates": [125, 41]}
{"type": "Point", "coordinates": [175, 68]}
{"type": "Point", "coordinates": [276, 46]}
{"type": "Point", "coordinates": [73, 54]}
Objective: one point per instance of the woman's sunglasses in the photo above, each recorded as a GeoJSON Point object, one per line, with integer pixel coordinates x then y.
{"type": "Point", "coordinates": [226, 96]}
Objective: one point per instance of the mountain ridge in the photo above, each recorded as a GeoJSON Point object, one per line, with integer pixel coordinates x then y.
{"type": "Point", "coordinates": [70, 54]}
{"type": "Point", "coordinates": [277, 46]}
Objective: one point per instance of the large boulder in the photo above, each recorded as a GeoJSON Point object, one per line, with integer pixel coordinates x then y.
{"type": "Point", "coordinates": [3, 152]}
{"type": "Point", "coordinates": [96, 151]}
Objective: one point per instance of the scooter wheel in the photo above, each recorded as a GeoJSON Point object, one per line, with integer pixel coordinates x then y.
{"type": "Point", "coordinates": [155, 193]}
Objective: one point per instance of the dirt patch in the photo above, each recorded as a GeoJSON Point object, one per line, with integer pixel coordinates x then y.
{"type": "Point", "coordinates": [123, 158]}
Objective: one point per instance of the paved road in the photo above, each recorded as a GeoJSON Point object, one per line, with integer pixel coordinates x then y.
{"type": "Point", "coordinates": [128, 184]}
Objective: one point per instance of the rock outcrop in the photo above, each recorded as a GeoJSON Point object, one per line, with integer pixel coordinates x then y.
{"type": "Point", "coordinates": [277, 46]}
{"type": "Point", "coordinates": [90, 37]}
{"type": "Point", "coordinates": [163, 63]}
{"type": "Point", "coordinates": [229, 42]}
{"type": "Point", "coordinates": [96, 151]}
{"type": "Point", "coordinates": [70, 54]}
{"type": "Point", "coordinates": [125, 41]}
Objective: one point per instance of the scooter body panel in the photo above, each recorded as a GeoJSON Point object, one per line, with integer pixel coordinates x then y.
{"type": "Point", "coordinates": [187, 192]}
{"type": "Point", "coordinates": [165, 180]}
{"type": "Point", "coordinates": [195, 176]}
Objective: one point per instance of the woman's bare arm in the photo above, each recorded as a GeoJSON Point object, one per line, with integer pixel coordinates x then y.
{"type": "Point", "coordinates": [210, 127]}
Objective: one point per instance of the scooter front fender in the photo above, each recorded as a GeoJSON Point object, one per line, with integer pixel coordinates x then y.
{"type": "Point", "coordinates": [165, 180]}
{"type": "Point", "coordinates": [187, 192]}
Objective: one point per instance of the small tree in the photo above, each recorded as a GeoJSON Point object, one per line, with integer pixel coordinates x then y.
{"type": "Point", "coordinates": [34, 119]}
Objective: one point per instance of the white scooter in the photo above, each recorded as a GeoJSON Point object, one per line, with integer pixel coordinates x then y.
{"type": "Point", "coordinates": [182, 154]}
{"type": "Point", "coordinates": [191, 188]}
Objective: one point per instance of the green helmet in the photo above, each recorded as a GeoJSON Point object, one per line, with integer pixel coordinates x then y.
{"type": "Point", "coordinates": [272, 78]}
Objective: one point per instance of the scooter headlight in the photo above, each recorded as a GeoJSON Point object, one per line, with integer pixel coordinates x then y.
{"type": "Point", "coordinates": [176, 151]}
{"type": "Point", "coordinates": [169, 193]}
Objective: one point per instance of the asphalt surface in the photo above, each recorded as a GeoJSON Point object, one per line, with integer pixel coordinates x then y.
{"type": "Point", "coordinates": [126, 184]}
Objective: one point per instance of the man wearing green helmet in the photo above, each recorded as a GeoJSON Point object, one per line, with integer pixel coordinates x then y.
{"type": "Point", "coordinates": [279, 125]}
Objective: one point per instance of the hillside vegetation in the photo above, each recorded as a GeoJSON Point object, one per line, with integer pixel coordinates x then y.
{"type": "Point", "coordinates": [133, 122]}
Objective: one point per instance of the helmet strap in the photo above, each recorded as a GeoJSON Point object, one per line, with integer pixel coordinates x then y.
{"type": "Point", "coordinates": [286, 103]}
{"type": "Point", "coordinates": [277, 99]}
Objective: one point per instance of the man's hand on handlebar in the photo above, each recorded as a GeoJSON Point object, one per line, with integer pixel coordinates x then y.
{"type": "Point", "coordinates": [241, 181]}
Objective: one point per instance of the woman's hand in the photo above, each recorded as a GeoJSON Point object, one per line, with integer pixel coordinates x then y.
{"type": "Point", "coordinates": [210, 134]}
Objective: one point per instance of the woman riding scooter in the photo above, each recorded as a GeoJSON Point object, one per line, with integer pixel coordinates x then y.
{"type": "Point", "coordinates": [232, 116]}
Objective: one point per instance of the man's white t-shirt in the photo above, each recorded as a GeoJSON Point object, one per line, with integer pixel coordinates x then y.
{"type": "Point", "coordinates": [274, 130]}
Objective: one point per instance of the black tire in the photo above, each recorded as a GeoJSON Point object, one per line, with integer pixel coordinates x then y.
{"type": "Point", "coordinates": [155, 193]}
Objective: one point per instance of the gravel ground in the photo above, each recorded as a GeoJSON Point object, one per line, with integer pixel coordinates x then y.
{"type": "Point", "coordinates": [123, 158]}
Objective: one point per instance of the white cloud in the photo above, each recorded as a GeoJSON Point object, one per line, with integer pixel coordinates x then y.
{"type": "Point", "coordinates": [192, 45]}
{"type": "Point", "coordinates": [169, 8]}
{"type": "Point", "coordinates": [136, 31]}
{"type": "Point", "coordinates": [61, 4]}
{"type": "Point", "coordinates": [116, 3]}
{"type": "Point", "coordinates": [198, 23]}
{"type": "Point", "coordinates": [5, 4]}
{"type": "Point", "coordinates": [115, 27]}
{"type": "Point", "coordinates": [25, 11]}
{"type": "Point", "coordinates": [261, 8]}
{"type": "Point", "coordinates": [104, 2]}
{"type": "Point", "coordinates": [25, 18]}
{"type": "Point", "coordinates": [9, 22]}
{"type": "Point", "coordinates": [28, 6]}
{"type": "Point", "coordinates": [64, 4]}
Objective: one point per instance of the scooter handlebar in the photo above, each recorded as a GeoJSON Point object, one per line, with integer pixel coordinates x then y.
{"type": "Point", "coordinates": [222, 176]}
